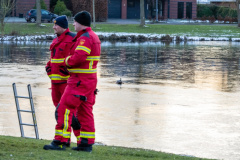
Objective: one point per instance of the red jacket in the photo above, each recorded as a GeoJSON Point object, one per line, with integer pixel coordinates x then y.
{"type": "Point", "coordinates": [83, 60]}
{"type": "Point", "coordinates": [60, 49]}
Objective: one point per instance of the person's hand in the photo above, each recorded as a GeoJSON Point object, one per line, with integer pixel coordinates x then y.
{"type": "Point", "coordinates": [63, 70]}
{"type": "Point", "coordinates": [48, 69]}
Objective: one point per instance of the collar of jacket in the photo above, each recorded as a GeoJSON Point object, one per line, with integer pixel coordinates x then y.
{"type": "Point", "coordinates": [81, 32]}
{"type": "Point", "coordinates": [59, 39]}
{"type": "Point", "coordinates": [63, 34]}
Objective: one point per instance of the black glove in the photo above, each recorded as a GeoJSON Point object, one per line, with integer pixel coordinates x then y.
{"type": "Point", "coordinates": [48, 69]}
{"type": "Point", "coordinates": [64, 70]}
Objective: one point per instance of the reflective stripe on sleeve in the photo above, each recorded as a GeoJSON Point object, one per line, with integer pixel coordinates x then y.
{"type": "Point", "coordinates": [67, 60]}
{"type": "Point", "coordinates": [58, 77]}
{"type": "Point", "coordinates": [79, 70]}
{"type": "Point", "coordinates": [83, 48]}
{"type": "Point", "coordinates": [93, 58]}
{"type": "Point", "coordinates": [61, 60]}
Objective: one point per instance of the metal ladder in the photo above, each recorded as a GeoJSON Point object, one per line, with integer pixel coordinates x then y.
{"type": "Point", "coordinates": [30, 111]}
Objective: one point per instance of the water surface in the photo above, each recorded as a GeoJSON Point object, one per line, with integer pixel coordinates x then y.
{"type": "Point", "coordinates": [178, 98]}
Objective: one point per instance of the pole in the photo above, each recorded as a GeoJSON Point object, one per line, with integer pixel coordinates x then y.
{"type": "Point", "coordinates": [142, 13]}
{"type": "Point", "coordinates": [238, 11]}
{"type": "Point", "coordinates": [94, 25]}
{"type": "Point", "coordinates": [156, 10]}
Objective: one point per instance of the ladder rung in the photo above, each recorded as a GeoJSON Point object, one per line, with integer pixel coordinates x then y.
{"type": "Point", "coordinates": [24, 111]}
{"type": "Point", "coordinates": [27, 124]}
{"type": "Point", "coordinates": [22, 97]}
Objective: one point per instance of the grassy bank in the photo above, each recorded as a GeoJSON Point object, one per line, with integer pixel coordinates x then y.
{"type": "Point", "coordinates": [22, 149]}
{"type": "Point", "coordinates": [180, 30]}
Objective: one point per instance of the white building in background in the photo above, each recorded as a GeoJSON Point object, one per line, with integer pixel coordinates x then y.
{"type": "Point", "coordinates": [209, 1]}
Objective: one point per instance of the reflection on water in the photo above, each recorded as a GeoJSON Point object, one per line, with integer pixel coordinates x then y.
{"type": "Point", "coordinates": [178, 98]}
{"type": "Point", "coordinates": [182, 63]}
{"type": "Point", "coordinates": [24, 52]}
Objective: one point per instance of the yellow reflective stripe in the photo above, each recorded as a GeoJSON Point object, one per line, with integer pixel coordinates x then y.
{"type": "Point", "coordinates": [67, 60]}
{"type": "Point", "coordinates": [83, 48]}
{"type": "Point", "coordinates": [90, 64]}
{"type": "Point", "coordinates": [58, 77]}
{"type": "Point", "coordinates": [61, 145]}
{"type": "Point", "coordinates": [79, 70]}
{"type": "Point", "coordinates": [61, 60]}
{"type": "Point", "coordinates": [78, 138]}
{"type": "Point", "coordinates": [93, 58]}
{"type": "Point", "coordinates": [58, 132]}
{"type": "Point", "coordinates": [63, 134]}
{"type": "Point", "coordinates": [66, 135]}
{"type": "Point", "coordinates": [66, 119]}
{"type": "Point", "coordinates": [87, 134]}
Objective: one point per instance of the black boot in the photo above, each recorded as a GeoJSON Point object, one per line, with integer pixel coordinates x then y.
{"type": "Point", "coordinates": [68, 143]}
{"type": "Point", "coordinates": [85, 148]}
{"type": "Point", "coordinates": [55, 145]}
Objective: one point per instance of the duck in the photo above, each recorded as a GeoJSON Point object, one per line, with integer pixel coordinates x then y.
{"type": "Point", "coordinates": [119, 81]}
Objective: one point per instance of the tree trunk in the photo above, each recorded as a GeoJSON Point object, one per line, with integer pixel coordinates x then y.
{"type": "Point", "coordinates": [5, 7]}
{"type": "Point", "coordinates": [39, 15]}
{"type": "Point", "coordinates": [142, 13]}
{"type": "Point", "coordinates": [2, 27]}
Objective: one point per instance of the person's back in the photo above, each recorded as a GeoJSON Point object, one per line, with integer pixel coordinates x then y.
{"type": "Point", "coordinates": [86, 69]}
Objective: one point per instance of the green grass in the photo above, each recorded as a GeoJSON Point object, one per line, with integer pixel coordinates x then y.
{"type": "Point", "coordinates": [177, 30]}
{"type": "Point", "coordinates": [23, 149]}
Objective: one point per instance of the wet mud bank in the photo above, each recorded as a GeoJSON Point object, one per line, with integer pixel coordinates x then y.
{"type": "Point", "coordinates": [126, 37]}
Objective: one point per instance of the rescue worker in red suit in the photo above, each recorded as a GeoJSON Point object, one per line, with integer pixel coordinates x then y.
{"type": "Point", "coordinates": [81, 88]}
{"type": "Point", "coordinates": [60, 49]}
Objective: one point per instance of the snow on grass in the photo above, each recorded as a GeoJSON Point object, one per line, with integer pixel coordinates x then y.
{"type": "Point", "coordinates": [130, 36]}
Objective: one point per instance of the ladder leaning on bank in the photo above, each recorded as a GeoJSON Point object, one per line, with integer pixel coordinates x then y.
{"type": "Point", "coordinates": [21, 124]}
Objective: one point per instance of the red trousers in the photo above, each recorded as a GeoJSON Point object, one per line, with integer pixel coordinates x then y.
{"type": "Point", "coordinates": [72, 104]}
{"type": "Point", "coordinates": [57, 92]}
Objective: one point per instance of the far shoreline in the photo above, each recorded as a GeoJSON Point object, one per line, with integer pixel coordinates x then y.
{"type": "Point", "coordinates": [125, 37]}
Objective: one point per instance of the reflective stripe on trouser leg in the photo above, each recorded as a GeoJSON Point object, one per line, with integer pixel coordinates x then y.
{"type": "Point", "coordinates": [67, 125]}
{"type": "Point", "coordinates": [66, 110]}
{"type": "Point", "coordinates": [64, 133]}
{"type": "Point", "coordinates": [86, 135]}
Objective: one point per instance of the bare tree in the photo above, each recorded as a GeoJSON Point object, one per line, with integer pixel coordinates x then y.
{"type": "Point", "coordinates": [5, 7]}
{"type": "Point", "coordinates": [142, 13]}
{"type": "Point", "coordinates": [39, 15]}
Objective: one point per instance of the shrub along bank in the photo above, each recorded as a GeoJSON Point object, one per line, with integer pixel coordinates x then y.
{"type": "Point", "coordinates": [212, 13]}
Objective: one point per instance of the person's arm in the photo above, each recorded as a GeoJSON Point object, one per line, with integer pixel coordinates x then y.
{"type": "Point", "coordinates": [81, 52]}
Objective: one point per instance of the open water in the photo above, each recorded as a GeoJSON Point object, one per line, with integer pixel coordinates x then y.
{"type": "Point", "coordinates": [180, 98]}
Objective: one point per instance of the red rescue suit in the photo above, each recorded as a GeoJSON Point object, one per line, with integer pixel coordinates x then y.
{"type": "Point", "coordinates": [80, 91]}
{"type": "Point", "coordinates": [56, 68]}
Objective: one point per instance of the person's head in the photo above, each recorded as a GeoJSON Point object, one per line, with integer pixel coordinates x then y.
{"type": "Point", "coordinates": [82, 20]}
{"type": "Point", "coordinates": [60, 25]}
